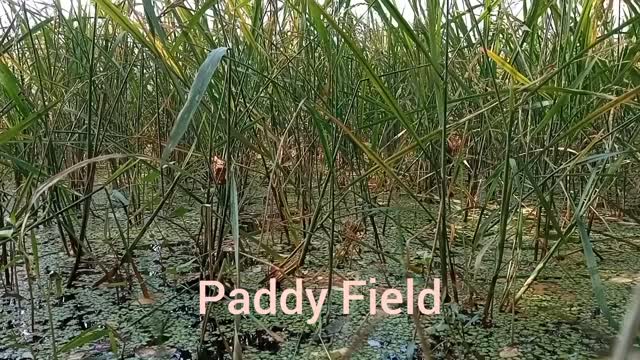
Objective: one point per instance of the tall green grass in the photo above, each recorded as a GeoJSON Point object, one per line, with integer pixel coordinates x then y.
{"type": "Point", "coordinates": [319, 103]}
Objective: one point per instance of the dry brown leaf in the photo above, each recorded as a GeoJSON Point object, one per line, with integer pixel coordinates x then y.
{"type": "Point", "coordinates": [142, 300]}
{"type": "Point", "coordinates": [510, 352]}
{"type": "Point", "coordinates": [333, 355]}
{"type": "Point", "coordinates": [544, 288]}
{"type": "Point", "coordinates": [154, 352]}
{"type": "Point", "coordinates": [219, 170]}
{"type": "Point", "coordinates": [621, 280]}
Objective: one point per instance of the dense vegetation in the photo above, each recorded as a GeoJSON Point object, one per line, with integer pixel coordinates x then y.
{"type": "Point", "coordinates": [147, 146]}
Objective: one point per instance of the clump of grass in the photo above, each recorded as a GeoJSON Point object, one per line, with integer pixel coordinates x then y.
{"type": "Point", "coordinates": [269, 105]}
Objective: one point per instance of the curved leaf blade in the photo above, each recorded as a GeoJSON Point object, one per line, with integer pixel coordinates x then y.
{"type": "Point", "coordinates": [504, 64]}
{"type": "Point", "coordinates": [198, 88]}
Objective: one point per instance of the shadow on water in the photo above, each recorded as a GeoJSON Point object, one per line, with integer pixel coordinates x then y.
{"type": "Point", "coordinates": [260, 340]}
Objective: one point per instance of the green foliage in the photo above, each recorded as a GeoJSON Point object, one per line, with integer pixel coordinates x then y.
{"type": "Point", "coordinates": [197, 91]}
{"type": "Point", "coordinates": [521, 121]}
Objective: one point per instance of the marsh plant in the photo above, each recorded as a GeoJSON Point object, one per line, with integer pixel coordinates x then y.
{"type": "Point", "coordinates": [481, 143]}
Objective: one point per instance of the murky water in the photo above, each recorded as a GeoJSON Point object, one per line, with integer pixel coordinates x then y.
{"type": "Point", "coordinates": [556, 319]}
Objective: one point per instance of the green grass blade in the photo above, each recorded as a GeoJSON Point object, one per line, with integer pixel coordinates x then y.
{"type": "Point", "coordinates": [152, 19]}
{"type": "Point", "coordinates": [15, 130]}
{"type": "Point", "coordinates": [86, 337]}
{"type": "Point", "coordinates": [11, 88]}
{"type": "Point", "coordinates": [592, 267]}
{"type": "Point", "coordinates": [315, 10]}
{"type": "Point", "coordinates": [199, 87]}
